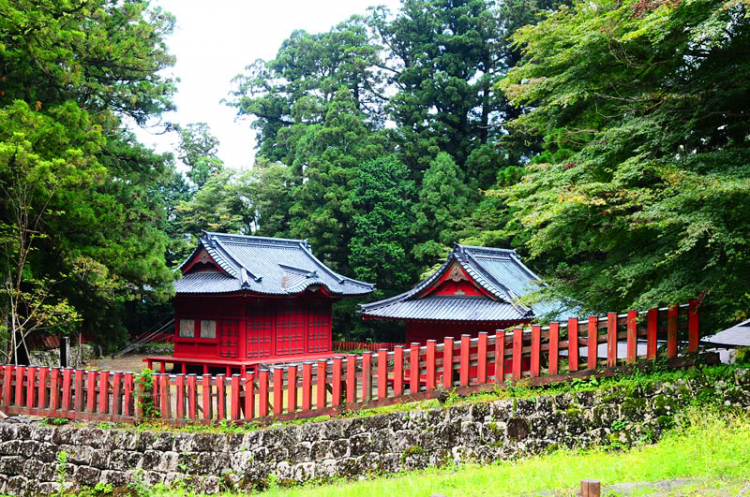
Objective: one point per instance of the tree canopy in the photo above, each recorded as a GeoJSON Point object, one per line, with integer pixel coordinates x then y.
{"type": "Point", "coordinates": [642, 194]}
{"type": "Point", "coordinates": [72, 71]}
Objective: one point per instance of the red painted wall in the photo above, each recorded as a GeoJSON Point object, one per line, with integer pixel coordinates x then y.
{"type": "Point", "coordinates": [421, 331]}
{"type": "Point", "coordinates": [253, 328]}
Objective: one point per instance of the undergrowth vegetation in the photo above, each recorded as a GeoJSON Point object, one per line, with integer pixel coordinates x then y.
{"type": "Point", "coordinates": [621, 383]}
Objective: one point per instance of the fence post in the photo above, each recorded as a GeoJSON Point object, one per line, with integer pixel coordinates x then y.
{"type": "Point", "coordinates": [208, 413]}
{"type": "Point", "coordinates": [307, 386]}
{"type": "Point", "coordinates": [672, 331]}
{"type": "Point", "coordinates": [593, 342]}
{"type": "Point", "coordinates": [180, 386]}
{"type": "Point", "coordinates": [278, 391]}
{"type": "Point", "coordinates": [66, 394]}
{"type": "Point", "coordinates": [632, 336]}
{"type": "Point", "coordinates": [590, 488]}
{"type": "Point", "coordinates": [398, 370]}
{"type": "Point", "coordinates": [517, 353]}
{"type": "Point", "coordinates": [41, 397]}
{"type": "Point", "coordinates": [104, 392]}
{"type": "Point", "coordinates": [382, 373]}
{"type": "Point", "coordinates": [351, 379]}
{"type": "Point", "coordinates": [321, 384]}
{"type": "Point", "coordinates": [554, 347]}
{"type": "Point", "coordinates": [693, 326]}
{"type": "Point", "coordinates": [263, 393]}
{"type": "Point", "coordinates": [499, 356]}
{"type": "Point", "coordinates": [91, 391]}
{"type": "Point", "coordinates": [20, 375]}
{"type": "Point", "coordinates": [7, 380]}
{"type": "Point", "coordinates": [338, 381]}
{"type": "Point", "coordinates": [612, 340]}
{"type": "Point", "coordinates": [367, 376]}
{"type": "Point", "coordinates": [234, 410]}
{"type": "Point", "coordinates": [536, 350]}
{"type": "Point", "coordinates": [291, 390]}
{"type": "Point", "coordinates": [221, 396]}
{"type": "Point", "coordinates": [464, 357]}
{"type": "Point", "coordinates": [652, 329]}
{"type": "Point", "coordinates": [414, 368]}
{"type": "Point", "coordinates": [482, 357]}
{"type": "Point", "coordinates": [192, 392]}
{"type": "Point", "coordinates": [164, 395]}
{"type": "Point", "coordinates": [30, 384]}
{"type": "Point", "coordinates": [249, 396]}
{"type": "Point", "coordinates": [572, 344]}
{"type": "Point", "coordinates": [127, 401]}
{"type": "Point", "coordinates": [79, 390]}
{"type": "Point", "coordinates": [430, 359]}
{"type": "Point", "coordinates": [448, 363]}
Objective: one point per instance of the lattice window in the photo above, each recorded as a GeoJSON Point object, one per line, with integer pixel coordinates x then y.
{"type": "Point", "coordinates": [208, 329]}
{"type": "Point", "coordinates": [187, 328]}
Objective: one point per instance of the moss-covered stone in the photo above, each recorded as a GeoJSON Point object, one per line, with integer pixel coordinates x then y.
{"type": "Point", "coordinates": [663, 405]}
{"type": "Point", "coordinates": [632, 409]}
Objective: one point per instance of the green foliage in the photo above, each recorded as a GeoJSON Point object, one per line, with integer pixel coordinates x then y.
{"type": "Point", "coordinates": [381, 199]}
{"type": "Point", "coordinates": [429, 71]}
{"type": "Point", "coordinates": [706, 444]}
{"type": "Point", "coordinates": [79, 69]}
{"type": "Point", "coordinates": [642, 198]}
{"type": "Point", "coordinates": [442, 203]}
{"type": "Point", "coordinates": [145, 394]}
{"type": "Point", "coordinates": [104, 54]}
{"type": "Point", "coordinates": [328, 156]}
{"type": "Point", "coordinates": [62, 471]}
{"type": "Point", "coordinates": [198, 148]}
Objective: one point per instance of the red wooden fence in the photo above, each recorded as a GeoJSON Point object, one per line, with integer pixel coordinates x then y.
{"type": "Point", "coordinates": [353, 381]}
{"type": "Point", "coordinates": [372, 347]}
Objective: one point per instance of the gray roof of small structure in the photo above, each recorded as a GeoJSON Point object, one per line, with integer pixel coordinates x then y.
{"type": "Point", "coordinates": [274, 266]}
{"type": "Point", "coordinates": [500, 272]}
{"type": "Point", "coordinates": [736, 336]}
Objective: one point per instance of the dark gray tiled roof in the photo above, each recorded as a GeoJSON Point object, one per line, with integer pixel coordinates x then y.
{"type": "Point", "coordinates": [442, 308]}
{"type": "Point", "coordinates": [498, 271]}
{"type": "Point", "coordinates": [263, 265]}
{"type": "Point", "coordinates": [736, 336]}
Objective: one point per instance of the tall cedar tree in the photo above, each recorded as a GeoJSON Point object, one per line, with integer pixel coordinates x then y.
{"type": "Point", "coordinates": [645, 112]}
{"type": "Point", "coordinates": [104, 58]}
{"type": "Point", "coordinates": [443, 202]}
{"type": "Point", "coordinates": [198, 151]}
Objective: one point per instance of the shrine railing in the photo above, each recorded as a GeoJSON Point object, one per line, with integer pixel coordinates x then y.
{"type": "Point", "coordinates": [541, 355]}
{"type": "Point", "coordinates": [362, 346]}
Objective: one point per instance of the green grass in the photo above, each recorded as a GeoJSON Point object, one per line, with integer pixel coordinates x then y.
{"type": "Point", "coordinates": [714, 449]}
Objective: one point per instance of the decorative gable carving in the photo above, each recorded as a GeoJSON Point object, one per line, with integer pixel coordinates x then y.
{"type": "Point", "coordinates": [203, 258]}
{"type": "Point", "coordinates": [456, 274]}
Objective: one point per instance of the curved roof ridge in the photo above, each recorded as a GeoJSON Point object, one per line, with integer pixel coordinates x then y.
{"type": "Point", "coordinates": [268, 239]}
{"type": "Point", "coordinates": [260, 264]}
{"type": "Point", "coordinates": [486, 249]}
{"type": "Point", "coordinates": [510, 296]}
{"type": "Point", "coordinates": [238, 262]}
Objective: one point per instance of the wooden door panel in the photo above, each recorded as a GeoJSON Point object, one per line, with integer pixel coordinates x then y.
{"type": "Point", "coordinates": [290, 330]}
{"type": "Point", "coordinates": [228, 334]}
{"type": "Point", "coordinates": [319, 329]}
{"type": "Point", "coordinates": [259, 336]}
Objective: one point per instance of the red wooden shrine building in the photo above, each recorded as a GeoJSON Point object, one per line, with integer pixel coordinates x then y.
{"type": "Point", "coordinates": [476, 289]}
{"type": "Point", "coordinates": [246, 300]}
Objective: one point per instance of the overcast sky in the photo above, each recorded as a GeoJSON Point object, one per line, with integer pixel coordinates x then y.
{"type": "Point", "coordinates": [214, 41]}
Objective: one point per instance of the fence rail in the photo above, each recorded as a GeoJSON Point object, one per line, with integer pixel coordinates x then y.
{"type": "Point", "coordinates": [541, 355]}
{"type": "Point", "coordinates": [372, 347]}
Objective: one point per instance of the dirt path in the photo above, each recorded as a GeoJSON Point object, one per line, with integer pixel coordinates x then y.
{"type": "Point", "coordinates": [127, 363]}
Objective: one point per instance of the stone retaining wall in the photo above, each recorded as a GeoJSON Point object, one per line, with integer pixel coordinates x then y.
{"type": "Point", "coordinates": [210, 462]}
